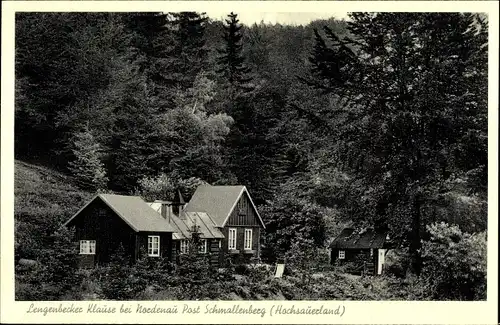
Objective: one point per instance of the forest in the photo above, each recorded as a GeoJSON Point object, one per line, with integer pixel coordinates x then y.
{"type": "Point", "coordinates": [379, 120]}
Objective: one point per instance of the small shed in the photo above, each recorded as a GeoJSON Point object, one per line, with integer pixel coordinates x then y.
{"type": "Point", "coordinates": [364, 250]}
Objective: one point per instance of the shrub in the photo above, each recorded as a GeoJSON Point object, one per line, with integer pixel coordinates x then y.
{"type": "Point", "coordinates": [56, 272]}
{"type": "Point", "coordinates": [397, 263]}
{"type": "Point", "coordinates": [454, 263]}
{"type": "Point", "coordinates": [118, 281]}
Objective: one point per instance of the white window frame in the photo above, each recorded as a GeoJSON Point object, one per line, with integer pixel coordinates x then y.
{"type": "Point", "coordinates": [231, 239]}
{"type": "Point", "coordinates": [87, 247]}
{"type": "Point", "coordinates": [152, 252]}
{"type": "Point", "coordinates": [248, 240]}
{"type": "Point", "coordinates": [184, 246]}
{"type": "Point", "coordinates": [203, 246]}
{"type": "Point", "coordinates": [341, 255]}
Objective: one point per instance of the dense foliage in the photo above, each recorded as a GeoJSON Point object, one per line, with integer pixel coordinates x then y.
{"type": "Point", "coordinates": [378, 121]}
{"type": "Point", "coordinates": [455, 263]}
{"type": "Point", "coordinates": [410, 105]}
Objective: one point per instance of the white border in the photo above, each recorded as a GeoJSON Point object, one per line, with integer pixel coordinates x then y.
{"type": "Point", "coordinates": [356, 312]}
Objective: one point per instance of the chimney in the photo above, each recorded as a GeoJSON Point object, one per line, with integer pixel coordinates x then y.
{"type": "Point", "coordinates": [166, 211]}
{"type": "Point", "coordinates": [178, 205]}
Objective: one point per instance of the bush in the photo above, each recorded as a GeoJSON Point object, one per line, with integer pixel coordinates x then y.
{"type": "Point", "coordinates": [56, 272]}
{"type": "Point", "coordinates": [291, 221]}
{"type": "Point", "coordinates": [118, 281]}
{"type": "Point", "coordinates": [454, 263]}
{"type": "Point", "coordinates": [397, 263]}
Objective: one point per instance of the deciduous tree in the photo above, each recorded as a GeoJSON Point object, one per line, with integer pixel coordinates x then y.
{"type": "Point", "coordinates": [404, 86]}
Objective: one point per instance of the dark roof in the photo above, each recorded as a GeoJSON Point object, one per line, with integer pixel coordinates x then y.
{"type": "Point", "coordinates": [349, 238]}
{"type": "Point", "coordinates": [134, 211]}
{"type": "Point", "coordinates": [182, 226]}
{"type": "Point", "coordinates": [218, 202]}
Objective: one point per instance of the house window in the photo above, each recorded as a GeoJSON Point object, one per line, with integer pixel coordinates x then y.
{"type": "Point", "coordinates": [341, 255]}
{"type": "Point", "coordinates": [154, 245]}
{"type": "Point", "coordinates": [184, 247]}
{"type": "Point", "coordinates": [248, 239]}
{"type": "Point", "coordinates": [203, 246]}
{"type": "Point", "coordinates": [87, 247]}
{"type": "Point", "coordinates": [232, 238]}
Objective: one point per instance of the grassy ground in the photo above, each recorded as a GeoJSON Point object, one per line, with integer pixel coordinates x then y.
{"type": "Point", "coordinates": [329, 285]}
{"type": "Point", "coordinates": [39, 190]}
{"type": "Point", "coordinates": [44, 199]}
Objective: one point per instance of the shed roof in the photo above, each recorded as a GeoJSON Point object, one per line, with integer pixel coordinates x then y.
{"type": "Point", "coordinates": [218, 201]}
{"type": "Point", "coordinates": [134, 211]}
{"type": "Point", "coordinates": [350, 238]}
{"type": "Point", "coordinates": [182, 226]}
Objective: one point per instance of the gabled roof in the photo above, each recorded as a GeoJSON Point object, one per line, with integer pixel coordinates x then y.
{"type": "Point", "coordinates": [349, 238]}
{"type": "Point", "coordinates": [134, 211]}
{"type": "Point", "coordinates": [182, 226]}
{"type": "Point", "coordinates": [218, 201]}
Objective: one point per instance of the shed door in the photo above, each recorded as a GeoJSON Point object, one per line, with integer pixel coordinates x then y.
{"type": "Point", "coordinates": [381, 260]}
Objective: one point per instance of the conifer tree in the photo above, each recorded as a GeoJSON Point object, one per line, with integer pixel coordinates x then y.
{"type": "Point", "coordinates": [147, 27]}
{"type": "Point", "coordinates": [136, 139]}
{"type": "Point", "coordinates": [88, 169]}
{"type": "Point", "coordinates": [231, 63]}
{"type": "Point", "coordinates": [404, 85]}
{"type": "Point", "coordinates": [187, 54]}
{"type": "Point", "coordinates": [61, 259]}
{"type": "Point", "coordinates": [56, 274]}
{"type": "Point", "coordinates": [151, 39]}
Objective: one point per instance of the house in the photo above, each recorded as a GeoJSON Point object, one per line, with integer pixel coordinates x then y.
{"type": "Point", "coordinates": [364, 250]}
{"type": "Point", "coordinates": [224, 217]}
{"type": "Point", "coordinates": [186, 223]}
{"type": "Point", "coordinates": [235, 215]}
{"type": "Point", "coordinates": [110, 220]}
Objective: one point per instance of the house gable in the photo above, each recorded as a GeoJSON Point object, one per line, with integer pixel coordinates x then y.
{"type": "Point", "coordinates": [98, 222]}
{"type": "Point", "coordinates": [133, 211]}
{"type": "Point", "coordinates": [220, 202]}
{"type": "Point", "coordinates": [96, 213]}
{"type": "Point", "coordinates": [244, 213]}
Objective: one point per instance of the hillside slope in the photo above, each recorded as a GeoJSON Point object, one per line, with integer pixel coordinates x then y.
{"type": "Point", "coordinates": [44, 198]}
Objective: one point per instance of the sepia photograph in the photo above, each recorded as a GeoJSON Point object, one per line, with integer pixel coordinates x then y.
{"type": "Point", "coordinates": [228, 155]}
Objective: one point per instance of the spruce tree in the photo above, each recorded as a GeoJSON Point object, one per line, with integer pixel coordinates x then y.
{"type": "Point", "coordinates": [187, 54]}
{"type": "Point", "coordinates": [405, 86]}
{"type": "Point", "coordinates": [151, 39]}
{"type": "Point", "coordinates": [136, 140]}
{"type": "Point", "coordinates": [231, 63]}
{"type": "Point", "coordinates": [146, 27]}
{"type": "Point", "coordinates": [87, 168]}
